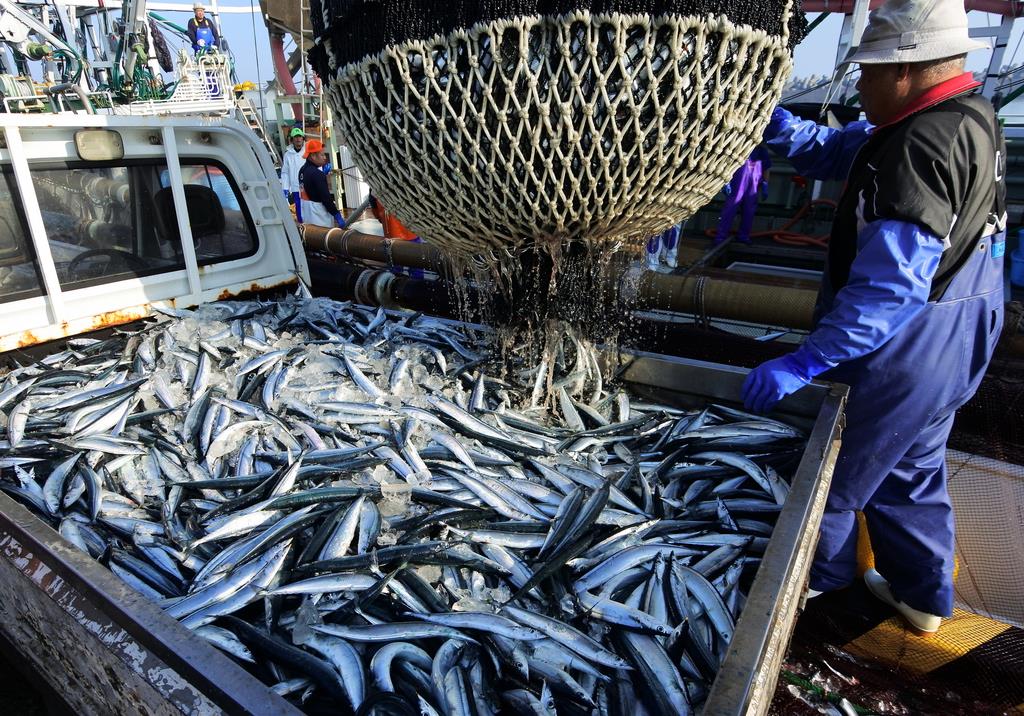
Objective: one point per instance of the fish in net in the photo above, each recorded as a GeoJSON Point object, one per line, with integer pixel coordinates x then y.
{"type": "Point", "coordinates": [532, 141]}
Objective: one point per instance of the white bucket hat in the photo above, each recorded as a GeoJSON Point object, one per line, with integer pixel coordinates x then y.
{"type": "Point", "coordinates": [914, 31]}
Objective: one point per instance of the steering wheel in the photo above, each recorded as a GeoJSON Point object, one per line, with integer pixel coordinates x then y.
{"type": "Point", "coordinates": [117, 262]}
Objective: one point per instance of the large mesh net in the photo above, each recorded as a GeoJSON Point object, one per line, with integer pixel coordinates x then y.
{"type": "Point", "coordinates": [548, 122]}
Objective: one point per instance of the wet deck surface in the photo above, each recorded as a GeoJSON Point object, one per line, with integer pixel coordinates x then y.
{"type": "Point", "coordinates": [849, 645]}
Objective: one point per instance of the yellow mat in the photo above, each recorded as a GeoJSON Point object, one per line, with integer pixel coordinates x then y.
{"type": "Point", "coordinates": [891, 643]}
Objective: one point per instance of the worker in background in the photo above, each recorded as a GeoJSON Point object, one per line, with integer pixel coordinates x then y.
{"type": "Point", "coordinates": [201, 30]}
{"type": "Point", "coordinates": [317, 203]}
{"type": "Point", "coordinates": [291, 163]}
{"type": "Point", "coordinates": [911, 303]}
{"type": "Point", "coordinates": [393, 228]}
{"type": "Point", "coordinates": [749, 181]}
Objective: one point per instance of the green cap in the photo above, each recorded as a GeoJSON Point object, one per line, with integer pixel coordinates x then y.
{"type": "Point", "coordinates": [296, 132]}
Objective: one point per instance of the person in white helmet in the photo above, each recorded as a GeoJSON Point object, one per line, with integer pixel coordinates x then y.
{"type": "Point", "coordinates": [201, 30]}
{"type": "Point", "coordinates": [912, 297]}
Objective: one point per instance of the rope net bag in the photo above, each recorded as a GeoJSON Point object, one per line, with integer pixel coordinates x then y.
{"type": "Point", "coordinates": [488, 126]}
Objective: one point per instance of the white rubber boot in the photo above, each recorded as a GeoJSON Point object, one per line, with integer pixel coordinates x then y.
{"type": "Point", "coordinates": [921, 623]}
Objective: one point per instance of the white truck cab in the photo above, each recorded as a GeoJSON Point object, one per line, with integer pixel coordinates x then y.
{"type": "Point", "coordinates": [102, 217]}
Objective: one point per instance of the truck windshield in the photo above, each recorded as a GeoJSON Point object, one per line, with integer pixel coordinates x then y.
{"type": "Point", "coordinates": [104, 223]}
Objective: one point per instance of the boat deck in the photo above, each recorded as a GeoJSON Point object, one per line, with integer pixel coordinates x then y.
{"type": "Point", "coordinates": [847, 644]}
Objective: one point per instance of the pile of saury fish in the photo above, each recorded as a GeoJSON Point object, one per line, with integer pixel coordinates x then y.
{"type": "Point", "coordinates": [362, 510]}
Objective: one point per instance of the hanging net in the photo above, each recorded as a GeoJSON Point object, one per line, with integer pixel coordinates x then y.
{"type": "Point", "coordinates": [492, 125]}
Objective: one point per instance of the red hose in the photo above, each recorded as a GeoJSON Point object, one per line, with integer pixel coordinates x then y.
{"type": "Point", "coordinates": [783, 235]}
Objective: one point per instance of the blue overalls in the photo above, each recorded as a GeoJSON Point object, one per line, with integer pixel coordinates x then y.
{"type": "Point", "coordinates": [904, 395]}
{"type": "Point", "coordinates": [898, 421]}
{"type": "Point", "coordinates": [743, 192]}
{"type": "Point", "coordinates": [205, 33]}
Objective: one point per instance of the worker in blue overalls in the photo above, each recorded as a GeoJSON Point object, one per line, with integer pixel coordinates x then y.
{"type": "Point", "coordinates": [748, 183]}
{"type": "Point", "coordinates": [911, 303]}
{"type": "Point", "coordinates": [202, 31]}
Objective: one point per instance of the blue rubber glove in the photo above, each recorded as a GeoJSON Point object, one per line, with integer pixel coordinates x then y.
{"type": "Point", "coordinates": [286, 194]}
{"type": "Point", "coordinates": [727, 189]}
{"type": "Point", "coordinates": [340, 219]}
{"type": "Point", "coordinates": [770, 382]}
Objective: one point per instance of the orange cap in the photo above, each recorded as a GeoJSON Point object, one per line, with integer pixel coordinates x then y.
{"type": "Point", "coordinates": [313, 146]}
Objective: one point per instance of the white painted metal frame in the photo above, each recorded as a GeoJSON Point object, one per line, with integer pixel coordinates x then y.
{"type": "Point", "coordinates": [37, 231]}
{"type": "Point", "coordinates": [279, 258]}
{"type": "Point", "coordinates": [204, 87]}
{"type": "Point", "coordinates": [188, 248]}
{"type": "Point", "coordinates": [34, 25]}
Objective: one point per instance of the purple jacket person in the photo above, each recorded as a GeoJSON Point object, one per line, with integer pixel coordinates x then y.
{"type": "Point", "coordinates": [750, 179]}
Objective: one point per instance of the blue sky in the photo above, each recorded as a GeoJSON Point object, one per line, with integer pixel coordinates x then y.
{"type": "Point", "coordinates": [813, 56]}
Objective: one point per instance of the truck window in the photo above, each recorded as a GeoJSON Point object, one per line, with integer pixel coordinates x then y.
{"type": "Point", "coordinates": [19, 273]}
{"type": "Point", "coordinates": [215, 207]}
{"type": "Point", "coordinates": [110, 223]}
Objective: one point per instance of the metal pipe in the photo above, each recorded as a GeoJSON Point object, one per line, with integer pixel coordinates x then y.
{"type": "Point", "coordinates": [768, 302]}
{"type": "Point", "coordinates": [352, 244]}
{"type": "Point", "coordinates": [998, 7]}
{"type": "Point", "coordinates": [54, 90]}
{"type": "Point", "coordinates": [358, 211]}
{"type": "Point", "coordinates": [284, 75]}
{"type": "Point", "coordinates": [716, 294]}
{"type": "Point", "coordinates": [709, 293]}
{"type": "Point", "coordinates": [344, 281]}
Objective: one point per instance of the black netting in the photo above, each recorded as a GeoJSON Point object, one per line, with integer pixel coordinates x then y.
{"type": "Point", "coordinates": [843, 659]}
{"type": "Point", "coordinates": [358, 28]}
{"type": "Point", "coordinates": [992, 423]}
